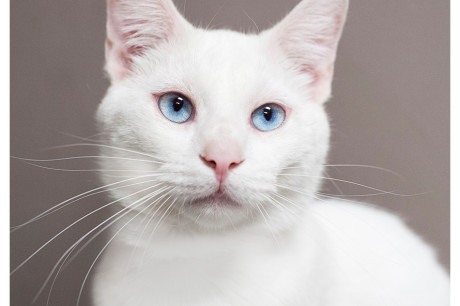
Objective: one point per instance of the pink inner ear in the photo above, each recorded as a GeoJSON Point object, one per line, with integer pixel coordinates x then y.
{"type": "Point", "coordinates": [133, 50]}
{"type": "Point", "coordinates": [119, 52]}
{"type": "Point", "coordinates": [309, 37]}
{"type": "Point", "coordinates": [321, 85]}
{"type": "Point", "coordinates": [118, 61]}
{"type": "Point", "coordinates": [134, 26]}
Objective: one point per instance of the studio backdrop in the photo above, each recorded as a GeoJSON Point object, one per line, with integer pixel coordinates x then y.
{"type": "Point", "coordinates": [389, 115]}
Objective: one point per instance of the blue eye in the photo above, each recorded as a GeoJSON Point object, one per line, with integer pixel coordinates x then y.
{"type": "Point", "coordinates": [268, 117]}
{"type": "Point", "coordinates": [175, 107]}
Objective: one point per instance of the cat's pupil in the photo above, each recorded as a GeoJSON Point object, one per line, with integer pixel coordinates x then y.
{"type": "Point", "coordinates": [178, 103]}
{"type": "Point", "coordinates": [268, 113]}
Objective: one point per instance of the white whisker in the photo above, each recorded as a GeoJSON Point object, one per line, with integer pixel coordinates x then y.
{"type": "Point", "coordinates": [86, 157]}
{"type": "Point", "coordinates": [352, 195]}
{"type": "Point", "coordinates": [252, 20]}
{"type": "Point", "coordinates": [281, 206]}
{"type": "Point", "coordinates": [261, 209]}
{"type": "Point", "coordinates": [75, 222]}
{"type": "Point", "coordinates": [88, 170]}
{"type": "Point", "coordinates": [67, 253]}
{"type": "Point", "coordinates": [212, 19]}
{"type": "Point", "coordinates": [83, 138]}
{"type": "Point", "coordinates": [54, 280]}
{"type": "Point", "coordinates": [105, 246]}
{"type": "Point", "coordinates": [149, 220]}
{"type": "Point", "coordinates": [334, 183]}
{"type": "Point", "coordinates": [365, 166]}
{"type": "Point", "coordinates": [297, 191]}
{"type": "Point", "coordinates": [162, 217]}
{"type": "Point", "coordinates": [107, 147]}
{"type": "Point", "coordinates": [79, 197]}
{"type": "Point", "coordinates": [144, 200]}
{"type": "Point", "coordinates": [348, 165]}
{"type": "Point", "coordinates": [350, 182]}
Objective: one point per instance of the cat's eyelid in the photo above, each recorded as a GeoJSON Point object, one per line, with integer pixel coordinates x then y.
{"type": "Point", "coordinates": [156, 95]}
{"type": "Point", "coordinates": [179, 88]}
{"type": "Point", "coordinates": [260, 102]}
{"type": "Point", "coordinates": [287, 109]}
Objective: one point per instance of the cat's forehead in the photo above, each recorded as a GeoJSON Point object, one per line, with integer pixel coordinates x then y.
{"type": "Point", "coordinates": [218, 64]}
{"type": "Point", "coordinates": [225, 56]}
{"type": "Point", "coordinates": [234, 47]}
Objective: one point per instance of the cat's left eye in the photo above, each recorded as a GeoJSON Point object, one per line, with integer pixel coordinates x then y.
{"type": "Point", "coordinates": [268, 117]}
{"type": "Point", "coordinates": [175, 107]}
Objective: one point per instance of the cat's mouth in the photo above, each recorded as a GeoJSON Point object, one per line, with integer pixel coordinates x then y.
{"type": "Point", "coordinates": [217, 199]}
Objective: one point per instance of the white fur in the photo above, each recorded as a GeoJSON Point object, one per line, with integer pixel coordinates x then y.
{"type": "Point", "coordinates": [276, 244]}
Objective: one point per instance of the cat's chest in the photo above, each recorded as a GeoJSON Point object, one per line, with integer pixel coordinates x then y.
{"type": "Point", "coordinates": [230, 273]}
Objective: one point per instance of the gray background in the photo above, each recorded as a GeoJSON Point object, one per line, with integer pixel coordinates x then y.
{"type": "Point", "coordinates": [390, 109]}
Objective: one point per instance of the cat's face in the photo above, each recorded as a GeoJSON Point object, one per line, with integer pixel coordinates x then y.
{"type": "Point", "coordinates": [227, 127]}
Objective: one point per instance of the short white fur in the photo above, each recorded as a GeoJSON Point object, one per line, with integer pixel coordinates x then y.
{"type": "Point", "coordinates": [270, 241]}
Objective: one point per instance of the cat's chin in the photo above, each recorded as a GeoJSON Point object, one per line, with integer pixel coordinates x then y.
{"type": "Point", "coordinates": [215, 211]}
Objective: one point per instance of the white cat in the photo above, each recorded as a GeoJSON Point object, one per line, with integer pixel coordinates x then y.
{"type": "Point", "coordinates": [222, 137]}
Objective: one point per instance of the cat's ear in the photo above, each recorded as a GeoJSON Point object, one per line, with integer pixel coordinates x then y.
{"type": "Point", "coordinates": [134, 26]}
{"type": "Point", "coordinates": [308, 37]}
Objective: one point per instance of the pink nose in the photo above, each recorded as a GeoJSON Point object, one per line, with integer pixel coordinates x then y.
{"type": "Point", "coordinates": [222, 157]}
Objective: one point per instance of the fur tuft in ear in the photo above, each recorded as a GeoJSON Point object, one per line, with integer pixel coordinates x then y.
{"type": "Point", "coordinates": [134, 26]}
{"type": "Point", "coordinates": [309, 36]}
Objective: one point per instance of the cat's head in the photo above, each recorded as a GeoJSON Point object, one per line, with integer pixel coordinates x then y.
{"type": "Point", "coordinates": [220, 127]}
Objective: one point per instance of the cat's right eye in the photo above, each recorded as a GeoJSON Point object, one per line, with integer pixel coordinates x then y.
{"type": "Point", "coordinates": [175, 107]}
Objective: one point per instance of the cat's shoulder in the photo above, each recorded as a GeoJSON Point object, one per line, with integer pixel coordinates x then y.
{"type": "Point", "coordinates": [372, 235]}
{"type": "Point", "coordinates": [355, 214]}
{"type": "Point", "coordinates": [366, 222]}
{"type": "Point", "coordinates": [369, 247]}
